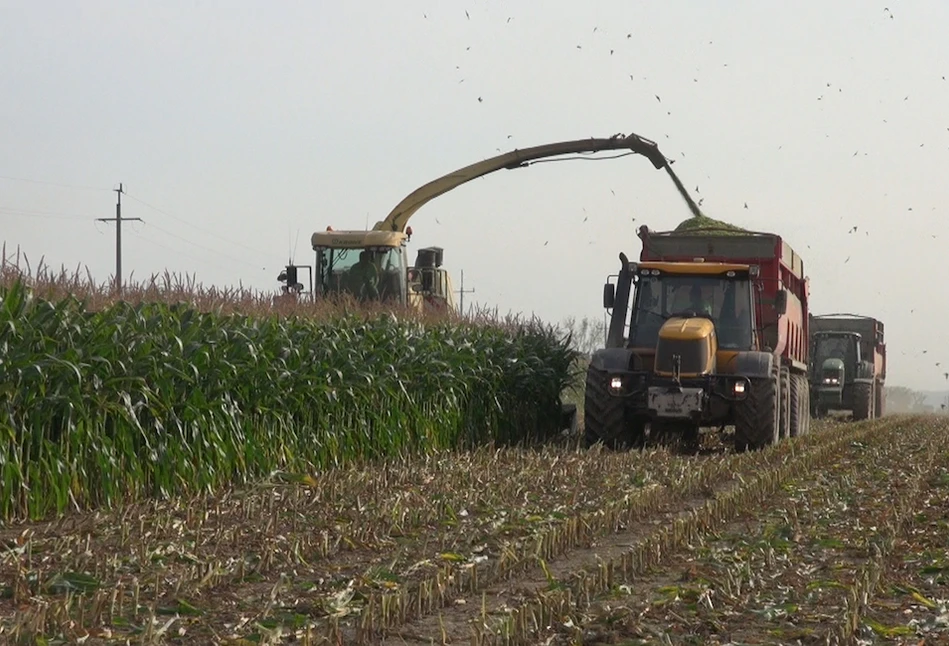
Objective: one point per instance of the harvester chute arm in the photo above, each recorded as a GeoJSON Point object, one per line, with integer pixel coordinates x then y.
{"type": "Point", "coordinates": [517, 158]}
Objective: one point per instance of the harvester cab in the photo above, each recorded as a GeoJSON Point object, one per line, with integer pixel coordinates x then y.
{"type": "Point", "coordinates": [373, 266]}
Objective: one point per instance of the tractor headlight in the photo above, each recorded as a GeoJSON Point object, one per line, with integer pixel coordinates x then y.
{"type": "Point", "coordinates": [739, 387]}
{"type": "Point", "coordinates": [831, 381]}
{"type": "Point", "coordinates": [616, 383]}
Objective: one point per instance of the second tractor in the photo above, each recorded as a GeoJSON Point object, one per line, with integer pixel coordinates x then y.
{"type": "Point", "coordinates": [849, 368]}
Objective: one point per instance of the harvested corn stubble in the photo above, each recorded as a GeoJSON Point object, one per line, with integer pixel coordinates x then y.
{"type": "Point", "coordinates": [807, 565]}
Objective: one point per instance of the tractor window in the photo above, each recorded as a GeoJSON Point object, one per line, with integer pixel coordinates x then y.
{"type": "Point", "coordinates": [835, 347]}
{"type": "Point", "coordinates": [375, 273]}
{"type": "Point", "coordinates": [727, 301]}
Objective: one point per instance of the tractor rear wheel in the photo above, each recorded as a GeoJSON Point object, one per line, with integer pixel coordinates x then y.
{"type": "Point", "coordinates": [798, 406]}
{"type": "Point", "coordinates": [757, 416]}
{"type": "Point", "coordinates": [805, 417]}
{"type": "Point", "coordinates": [879, 407]}
{"type": "Point", "coordinates": [862, 401]}
{"type": "Point", "coordinates": [785, 389]}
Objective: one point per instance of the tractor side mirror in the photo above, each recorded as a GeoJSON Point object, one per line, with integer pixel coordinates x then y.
{"type": "Point", "coordinates": [781, 302]}
{"type": "Point", "coordinates": [609, 295]}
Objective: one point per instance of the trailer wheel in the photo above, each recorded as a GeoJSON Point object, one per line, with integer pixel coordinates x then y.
{"type": "Point", "coordinates": [757, 416]}
{"type": "Point", "coordinates": [798, 410]}
{"type": "Point", "coordinates": [806, 419]}
{"type": "Point", "coordinates": [862, 401]}
{"type": "Point", "coordinates": [604, 419]}
{"type": "Point", "coordinates": [785, 399]}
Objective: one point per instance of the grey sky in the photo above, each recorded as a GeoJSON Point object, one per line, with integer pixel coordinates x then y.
{"type": "Point", "coordinates": [250, 125]}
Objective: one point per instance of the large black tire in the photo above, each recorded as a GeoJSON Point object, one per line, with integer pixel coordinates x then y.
{"type": "Point", "coordinates": [862, 401]}
{"type": "Point", "coordinates": [757, 417]}
{"type": "Point", "coordinates": [604, 418]}
{"type": "Point", "coordinates": [784, 388]}
{"type": "Point", "coordinates": [879, 408]}
{"type": "Point", "coordinates": [806, 419]}
{"type": "Point", "coordinates": [798, 410]}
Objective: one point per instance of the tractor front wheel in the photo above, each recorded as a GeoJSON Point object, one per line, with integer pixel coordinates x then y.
{"type": "Point", "coordinates": [758, 415]}
{"type": "Point", "coordinates": [604, 417]}
{"type": "Point", "coordinates": [862, 401]}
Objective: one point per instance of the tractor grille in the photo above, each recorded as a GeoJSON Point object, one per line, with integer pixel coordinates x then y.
{"type": "Point", "coordinates": [693, 354]}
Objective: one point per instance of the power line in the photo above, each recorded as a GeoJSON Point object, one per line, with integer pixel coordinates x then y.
{"type": "Point", "coordinates": [193, 225]}
{"type": "Point", "coordinates": [60, 184]}
{"type": "Point", "coordinates": [33, 213]}
{"type": "Point", "coordinates": [199, 246]}
{"type": "Point", "coordinates": [178, 252]}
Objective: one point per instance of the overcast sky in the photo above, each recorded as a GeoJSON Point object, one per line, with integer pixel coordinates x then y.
{"type": "Point", "coordinates": [239, 128]}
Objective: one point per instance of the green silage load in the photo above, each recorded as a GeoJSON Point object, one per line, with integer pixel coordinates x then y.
{"type": "Point", "coordinates": [702, 224]}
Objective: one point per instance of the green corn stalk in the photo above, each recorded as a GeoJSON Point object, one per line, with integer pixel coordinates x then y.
{"type": "Point", "coordinates": [159, 399]}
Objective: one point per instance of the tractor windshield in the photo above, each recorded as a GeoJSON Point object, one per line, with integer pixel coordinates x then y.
{"type": "Point", "coordinates": [835, 346]}
{"type": "Point", "coordinates": [368, 273]}
{"type": "Point", "coordinates": [726, 301]}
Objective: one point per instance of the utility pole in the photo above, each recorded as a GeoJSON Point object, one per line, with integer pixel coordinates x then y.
{"type": "Point", "coordinates": [463, 291]}
{"type": "Point", "coordinates": [118, 236]}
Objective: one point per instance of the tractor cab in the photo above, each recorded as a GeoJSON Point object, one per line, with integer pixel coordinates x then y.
{"type": "Point", "coordinates": [832, 353]}
{"type": "Point", "coordinates": [831, 380]}
{"type": "Point", "coordinates": [668, 296]}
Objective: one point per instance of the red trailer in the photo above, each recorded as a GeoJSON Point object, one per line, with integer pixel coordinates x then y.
{"type": "Point", "coordinates": [709, 328]}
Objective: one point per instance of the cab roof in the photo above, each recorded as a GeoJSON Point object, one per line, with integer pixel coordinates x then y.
{"type": "Point", "coordinates": [693, 268]}
{"type": "Point", "coordinates": [357, 239]}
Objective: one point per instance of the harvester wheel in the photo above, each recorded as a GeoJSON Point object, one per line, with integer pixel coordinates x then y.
{"type": "Point", "coordinates": [798, 409]}
{"type": "Point", "coordinates": [757, 417]}
{"type": "Point", "coordinates": [785, 389]}
{"type": "Point", "coordinates": [880, 405]}
{"type": "Point", "coordinates": [603, 416]}
{"type": "Point", "coordinates": [862, 401]}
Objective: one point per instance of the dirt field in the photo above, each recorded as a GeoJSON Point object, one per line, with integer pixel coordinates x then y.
{"type": "Point", "coordinates": [841, 536]}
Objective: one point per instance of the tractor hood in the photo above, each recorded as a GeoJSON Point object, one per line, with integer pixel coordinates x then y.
{"type": "Point", "coordinates": [681, 328]}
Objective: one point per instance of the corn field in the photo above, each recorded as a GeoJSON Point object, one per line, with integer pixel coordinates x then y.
{"type": "Point", "coordinates": [191, 466]}
{"type": "Point", "coordinates": [104, 400]}
{"type": "Point", "coordinates": [838, 536]}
